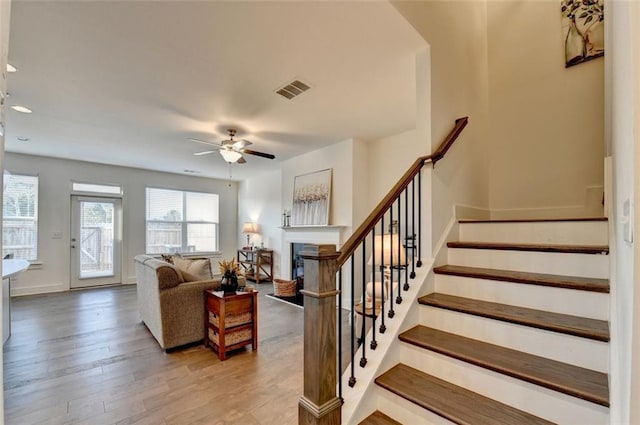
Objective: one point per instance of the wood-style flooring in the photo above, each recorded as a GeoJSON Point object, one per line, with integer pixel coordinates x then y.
{"type": "Point", "coordinates": [84, 357]}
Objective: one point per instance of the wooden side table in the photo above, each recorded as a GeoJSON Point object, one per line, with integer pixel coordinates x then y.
{"type": "Point", "coordinates": [257, 264]}
{"type": "Point", "coordinates": [230, 321]}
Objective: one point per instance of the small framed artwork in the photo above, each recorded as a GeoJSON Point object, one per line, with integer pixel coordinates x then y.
{"type": "Point", "coordinates": [582, 30]}
{"type": "Point", "coordinates": [311, 199]}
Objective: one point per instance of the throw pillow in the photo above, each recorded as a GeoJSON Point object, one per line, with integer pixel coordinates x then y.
{"type": "Point", "coordinates": [193, 270]}
{"type": "Point", "coordinates": [169, 257]}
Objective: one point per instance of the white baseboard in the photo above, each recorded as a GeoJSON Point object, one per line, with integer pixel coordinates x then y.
{"type": "Point", "coordinates": [19, 291]}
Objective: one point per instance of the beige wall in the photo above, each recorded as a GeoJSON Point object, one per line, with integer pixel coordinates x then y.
{"type": "Point", "coordinates": [54, 187]}
{"type": "Point", "coordinates": [634, 16]}
{"type": "Point", "coordinates": [457, 37]}
{"type": "Point", "coordinates": [546, 121]}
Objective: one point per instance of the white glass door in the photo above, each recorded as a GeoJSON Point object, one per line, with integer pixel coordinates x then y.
{"type": "Point", "coordinates": [95, 241]}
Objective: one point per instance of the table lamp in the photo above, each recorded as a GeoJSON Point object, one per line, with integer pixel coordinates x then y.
{"type": "Point", "coordinates": [249, 228]}
{"type": "Point", "coordinates": [388, 252]}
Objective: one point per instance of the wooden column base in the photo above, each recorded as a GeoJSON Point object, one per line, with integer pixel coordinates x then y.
{"type": "Point", "coordinates": [329, 413]}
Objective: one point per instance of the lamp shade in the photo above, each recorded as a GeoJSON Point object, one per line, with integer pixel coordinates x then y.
{"type": "Point", "coordinates": [388, 251]}
{"type": "Point", "coordinates": [381, 289]}
{"type": "Point", "coordinates": [249, 228]}
{"type": "Point", "coordinates": [230, 156]}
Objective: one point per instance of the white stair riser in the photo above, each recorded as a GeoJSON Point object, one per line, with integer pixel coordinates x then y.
{"type": "Point", "coordinates": [406, 412]}
{"type": "Point", "coordinates": [582, 265]}
{"type": "Point", "coordinates": [570, 349]}
{"type": "Point", "coordinates": [593, 305]}
{"type": "Point", "coordinates": [555, 232]}
{"type": "Point", "coordinates": [545, 403]}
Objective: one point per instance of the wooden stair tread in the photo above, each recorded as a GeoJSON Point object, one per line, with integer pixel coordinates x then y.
{"type": "Point", "coordinates": [576, 381]}
{"type": "Point", "coordinates": [454, 403]}
{"type": "Point", "coordinates": [557, 281]}
{"type": "Point", "coordinates": [556, 322]}
{"type": "Point", "coordinates": [378, 418]}
{"type": "Point", "coordinates": [533, 220]}
{"type": "Point", "coordinates": [571, 249]}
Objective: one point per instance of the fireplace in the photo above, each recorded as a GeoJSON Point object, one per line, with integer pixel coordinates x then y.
{"type": "Point", "coordinates": [297, 265]}
{"type": "Point", "coordinates": [294, 240]}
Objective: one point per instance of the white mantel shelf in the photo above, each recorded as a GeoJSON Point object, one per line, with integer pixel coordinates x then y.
{"type": "Point", "coordinates": [310, 228]}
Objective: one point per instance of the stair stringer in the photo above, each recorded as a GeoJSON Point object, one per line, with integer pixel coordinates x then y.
{"type": "Point", "coordinates": [363, 398]}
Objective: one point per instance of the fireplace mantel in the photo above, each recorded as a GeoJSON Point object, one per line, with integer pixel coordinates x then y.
{"type": "Point", "coordinates": [318, 235]}
{"type": "Point", "coordinates": [318, 228]}
{"type": "Point", "coordinates": [313, 234]}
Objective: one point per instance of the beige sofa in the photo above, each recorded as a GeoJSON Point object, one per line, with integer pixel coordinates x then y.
{"type": "Point", "coordinates": [171, 309]}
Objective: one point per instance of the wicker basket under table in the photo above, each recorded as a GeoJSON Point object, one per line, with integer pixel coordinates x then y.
{"type": "Point", "coordinates": [284, 288]}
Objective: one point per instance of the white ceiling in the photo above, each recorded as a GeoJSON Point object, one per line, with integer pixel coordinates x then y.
{"type": "Point", "coordinates": [128, 82]}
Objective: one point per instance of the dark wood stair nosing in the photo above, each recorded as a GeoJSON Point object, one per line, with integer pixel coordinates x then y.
{"type": "Point", "coordinates": [569, 379]}
{"type": "Point", "coordinates": [589, 328]}
{"type": "Point", "coordinates": [540, 279]}
{"type": "Point", "coordinates": [556, 248]}
{"type": "Point", "coordinates": [454, 403]}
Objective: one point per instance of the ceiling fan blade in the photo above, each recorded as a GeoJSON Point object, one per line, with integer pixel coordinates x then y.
{"type": "Point", "coordinates": [203, 153]}
{"type": "Point", "coordinates": [256, 153]}
{"type": "Point", "coordinates": [203, 142]}
{"type": "Point", "coordinates": [241, 160]}
{"type": "Point", "coordinates": [241, 144]}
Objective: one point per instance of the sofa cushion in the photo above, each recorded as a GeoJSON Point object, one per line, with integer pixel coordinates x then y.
{"type": "Point", "coordinates": [193, 270]}
{"type": "Point", "coordinates": [169, 276]}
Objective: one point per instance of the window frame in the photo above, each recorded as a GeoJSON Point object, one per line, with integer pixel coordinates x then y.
{"type": "Point", "coordinates": [184, 222]}
{"type": "Point", "coordinates": [34, 219]}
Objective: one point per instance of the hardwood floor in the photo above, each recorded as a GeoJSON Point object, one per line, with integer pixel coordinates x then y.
{"type": "Point", "coordinates": [84, 357]}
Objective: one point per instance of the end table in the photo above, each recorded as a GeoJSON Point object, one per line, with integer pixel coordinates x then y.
{"type": "Point", "coordinates": [230, 321]}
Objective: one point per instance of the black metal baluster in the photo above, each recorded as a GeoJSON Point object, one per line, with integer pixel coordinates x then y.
{"type": "Point", "coordinates": [419, 233]}
{"type": "Point", "coordinates": [352, 378]}
{"type": "Point", "coordinates": [413, 227]}
{"type": "Point", "coordinates": [383, 327]}
{"type": "Point", "coordinates": [363, 359]}
{"type": "Point", "coordinates": [399, 297]}
{"type": "Point", "coordinates": [406, 232]}
{"type": "Point", "coordinates": [374, 317]}
{"type": "Point", "coordinates": [392, 312]}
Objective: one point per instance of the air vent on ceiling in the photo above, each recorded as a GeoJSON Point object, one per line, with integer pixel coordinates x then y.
{"type": "Point", "coordinates": [293, 89]}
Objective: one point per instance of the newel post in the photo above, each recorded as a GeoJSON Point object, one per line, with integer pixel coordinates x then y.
{"type": "Point", "coordinates": [319, 404]}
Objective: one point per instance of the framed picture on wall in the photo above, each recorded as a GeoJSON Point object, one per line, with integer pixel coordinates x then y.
{"type": "Point", "coordinates": [582, 30]}
{"type": "Point", "coordinates": [311, 199]}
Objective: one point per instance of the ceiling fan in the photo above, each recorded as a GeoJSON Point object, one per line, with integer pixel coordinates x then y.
{"type": "Point", "coordinates": [231, 150]}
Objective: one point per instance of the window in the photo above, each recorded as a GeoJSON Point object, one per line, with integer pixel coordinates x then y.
{"type": "Point", "coordinates": [180, 221]}
{"type": "Point", "coordinates": [105, 189]}
{"type": "Point", "coordinates": [20, 217]}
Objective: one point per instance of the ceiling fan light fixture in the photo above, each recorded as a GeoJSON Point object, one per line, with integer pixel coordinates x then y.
{"type": "Point", "coordinates": [230, 155]}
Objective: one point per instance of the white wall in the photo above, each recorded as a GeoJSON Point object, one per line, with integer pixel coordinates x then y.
{"type": "Point", "coordinates": [260, 201]}
{"type": "Point", "coordinates": [457, 37]}
{"type": "Point", "coordinates": [55, 176]}
{"type": "Point", "coordinates": [546, 121]}
{"type": "Point", "coordinates": [634, 17]}
{"type": "Point", "coordinates": [5, 14]}
{"type": "Point", "coordinates": [623, 79]}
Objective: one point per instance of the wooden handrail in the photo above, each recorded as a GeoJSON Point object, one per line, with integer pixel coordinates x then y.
{"type": "Point", "coordinates": [363, 230]}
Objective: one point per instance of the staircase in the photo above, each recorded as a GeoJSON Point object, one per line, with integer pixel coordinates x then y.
{"type": "Point", "coordinates": [516, 331]}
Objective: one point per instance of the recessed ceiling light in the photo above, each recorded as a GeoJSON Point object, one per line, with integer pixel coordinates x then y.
{"type": "Point", "coordinates": [22, 109]}
{"type": "Point", "coordinates": [23, 139]}
{"type": "Point", "coordinates": [11, 68]}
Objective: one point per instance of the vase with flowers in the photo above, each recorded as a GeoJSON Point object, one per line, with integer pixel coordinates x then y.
{"type": "Point", "coordinates": [230, 270]}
